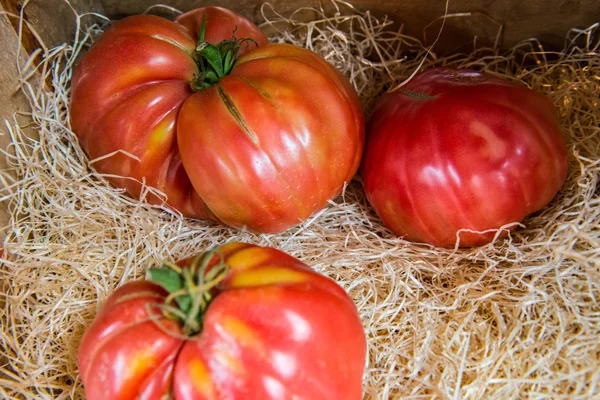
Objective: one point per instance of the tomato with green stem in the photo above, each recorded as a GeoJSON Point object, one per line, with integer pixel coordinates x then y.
{"type": "Point", "coordinates": [239, 322]}
{"type": "Point", "coordinates": [250, 134]}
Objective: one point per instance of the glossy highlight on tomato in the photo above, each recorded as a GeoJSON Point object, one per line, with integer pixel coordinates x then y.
{"type": "Point", "coordinates": [454, 153]}
{"type": "Point", "coordinates": [267, 327]}
{"type": "Point", "coordinates": [262, 143]}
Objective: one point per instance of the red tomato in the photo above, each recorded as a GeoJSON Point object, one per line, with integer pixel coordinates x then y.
{"type": "Point", "coordinates": [263, 145]}
{"type": "Point", "coordinates": [460, 149]}
{"type": "Point", "coordinates": [269, 328]}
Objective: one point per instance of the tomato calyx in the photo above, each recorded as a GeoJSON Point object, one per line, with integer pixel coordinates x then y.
{"type": "Point", "coordinates": [190, 289]}
{"type": "Point", "coordinates": [215, 61]}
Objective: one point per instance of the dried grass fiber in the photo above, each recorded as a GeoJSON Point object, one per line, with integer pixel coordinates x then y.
{"type": "Point", "coordinates": [518, 318]}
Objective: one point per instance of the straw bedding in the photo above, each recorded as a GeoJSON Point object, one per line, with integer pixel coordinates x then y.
{"type": "Point", "coordinates": [518, 318]}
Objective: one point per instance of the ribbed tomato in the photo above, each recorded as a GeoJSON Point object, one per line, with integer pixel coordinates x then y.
{"type": "Point", "coordinates": [242, 322]}
{"type": "Point", "coordinates": [261, 141]}
{"type": "Point", "coordinates": [456, 151]}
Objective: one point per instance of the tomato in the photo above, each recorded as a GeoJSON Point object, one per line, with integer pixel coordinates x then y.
{"type": "Point", "coordinates": [258, 139]}
{"type": "Point", "coordinates": [264, 326]}
{"type": "Point", "coordinates": [461, 150]}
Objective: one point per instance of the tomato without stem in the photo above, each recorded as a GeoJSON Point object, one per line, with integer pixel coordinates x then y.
{"type": "Point", "coordinates": [259, 325]}
{"type": "Point", "coordinates": [261, 141]}
{"type": "Point", "coordinates": [456, 151]}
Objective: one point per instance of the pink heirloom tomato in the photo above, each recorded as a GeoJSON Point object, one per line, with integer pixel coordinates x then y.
{"type": "Point", "coordinates": [457, 152]}
{"type": "Point", "coordinates": [241, 322]}
{"type": "Point", "coordinates": [231, 129]}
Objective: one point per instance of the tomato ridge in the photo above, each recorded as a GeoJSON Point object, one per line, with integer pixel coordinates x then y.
{"type": "Point", "coordinates": [107, 338]}
{"type": "Point", "coordinates": [337, 79]}
{"type": "Point", "coordinates": [172, 360]}
{"type": "Point", "coordinates": [334, 79]}
{"type": "Point", "coordinates": [268, 98]}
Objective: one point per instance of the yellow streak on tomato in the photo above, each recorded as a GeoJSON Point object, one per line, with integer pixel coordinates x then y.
{"type": "Point", "coordinates": [248, 258]}
{"type": "Point", "coordinates": [134, 76]}
{"type": "Point", "coordinates": [232, 246]}
{"type": "Point", "coordinates": [139, 363]}
{"type": "Point", "coordinates": [200, 378]}
{"type": "Point", "coordinates": [161, 134]}
{"type": "Point", "coordinates": [243, 334]}
{"type": "Point", "coordinates": [267, 276]}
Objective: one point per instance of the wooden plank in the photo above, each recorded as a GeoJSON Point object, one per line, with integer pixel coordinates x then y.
{"type": "Point", "coordinates": [59, 28]}
{"type": "Point", "coordinates": [52, 20]}
{"type": "Point", "coordinates": [548, 20]}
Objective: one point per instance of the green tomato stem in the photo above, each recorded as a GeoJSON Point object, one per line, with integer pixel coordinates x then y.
{"type": "Point", "coordinates": [215, 61]}
{"type": "Point", "coordinates": [417, 95]}
{"type": "Point", "coordinates": [190, 289]}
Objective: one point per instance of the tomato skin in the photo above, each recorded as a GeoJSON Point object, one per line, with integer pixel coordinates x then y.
{"type": "Point", "coordinates": [132, 101]}
{"type": "Point", "coordinates": [460, 149]}
{"type": "Point", "coordinates": [275, 329]}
